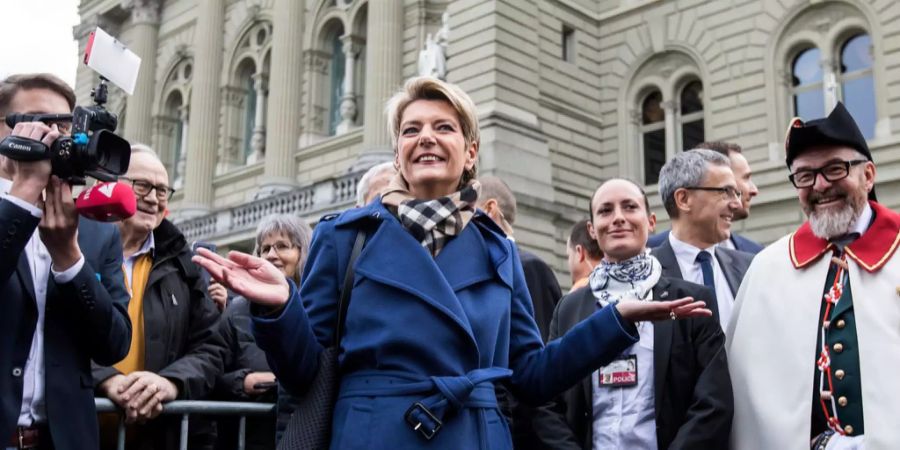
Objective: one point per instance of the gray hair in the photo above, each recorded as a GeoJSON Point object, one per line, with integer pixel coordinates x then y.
{"type": "Point", "coordinates": [138, 148]}
{"type": "Point", "coordinates": [686, 169]}
{"type": "Point", "coordinates": [493, 187]}
{"type": "Point", "coordinates": [143, 148]}
{"type": "Point", "coordinates": [293, 227]}
{"type": "Point", "coordinates": [362, 188]}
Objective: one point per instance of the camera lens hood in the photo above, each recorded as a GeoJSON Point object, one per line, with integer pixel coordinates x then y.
{"type": "Point", "coordinates": [23, 149]}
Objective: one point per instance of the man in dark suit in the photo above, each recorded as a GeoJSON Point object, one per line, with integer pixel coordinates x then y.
{"type": "Point", "coordinates": [734, 265]}
{"type": "Point", "coordinates": [735, 241]}
{"type": "Point", "coordinates": [64, 300]}
{"type": "Point", "coordinates": [743, 179]}
{"type": "Point", "coordinates": [700, 195]}
{"type": "Point", "coordinates": [499, 203]}
{"type": "Point", "coordinates": [690, 391]}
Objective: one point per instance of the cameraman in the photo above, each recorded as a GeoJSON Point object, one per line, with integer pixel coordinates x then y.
{"type": "Point", "coordinates": [63, 294]}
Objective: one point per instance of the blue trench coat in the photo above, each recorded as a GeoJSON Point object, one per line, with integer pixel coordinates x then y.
{"type": "Point", "coordinates": [432, 331]}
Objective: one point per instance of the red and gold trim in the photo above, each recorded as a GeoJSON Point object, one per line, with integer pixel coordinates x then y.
{"type": "Point", "coordinates": [871, 251]}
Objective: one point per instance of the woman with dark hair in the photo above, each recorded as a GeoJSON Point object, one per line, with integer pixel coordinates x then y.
{"type": "Point", "coordinates": [439, 308]}
{"type": "Point", "coordinates": [671, 389]}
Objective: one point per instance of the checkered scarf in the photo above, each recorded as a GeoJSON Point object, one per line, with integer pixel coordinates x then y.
{"type": "Point", "coordinates": [432, 222]}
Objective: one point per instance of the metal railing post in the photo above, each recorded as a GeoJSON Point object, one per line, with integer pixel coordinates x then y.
{"type": "Point", "coordinates": [242, 433]}
{"type": "Point", "coordinates": [187, 407]}
{"type": "Point", "coordinates": [183, 443]}
{"type": "Point", "coordinates": [120, 438]}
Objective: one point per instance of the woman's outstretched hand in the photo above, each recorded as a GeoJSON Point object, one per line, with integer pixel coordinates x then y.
{"type": "Point", "coordinates": [683, 308]}
{"type": "Point", "coordinates": [254, 278]}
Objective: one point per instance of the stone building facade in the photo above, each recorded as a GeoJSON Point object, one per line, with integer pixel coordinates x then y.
{"type": "Point", "coordinates": [260, 106]}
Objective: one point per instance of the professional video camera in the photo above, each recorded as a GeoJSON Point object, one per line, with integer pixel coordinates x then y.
{"type": "Point", "coordinates": [92, 149]}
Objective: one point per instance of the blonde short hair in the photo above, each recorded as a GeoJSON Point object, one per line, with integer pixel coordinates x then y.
{"type": "Point", "coordinates": [430, 88]}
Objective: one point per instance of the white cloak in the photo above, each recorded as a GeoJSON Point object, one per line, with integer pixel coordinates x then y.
{"type": "Point", "coordinates": [771, 340]}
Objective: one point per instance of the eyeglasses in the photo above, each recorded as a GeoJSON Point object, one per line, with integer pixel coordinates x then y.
{"type": "Point", "coordinates": [143, 188]}
{"type": "Point", "coordinates": [280, 248]}
{"type": "Point", "coordinates": [835, 171]}
{"type": "Point", "coordinates": [727, 192]}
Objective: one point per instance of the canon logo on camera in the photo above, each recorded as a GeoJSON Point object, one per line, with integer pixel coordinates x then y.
{"type": "Point", "coordinates": [24, 148]}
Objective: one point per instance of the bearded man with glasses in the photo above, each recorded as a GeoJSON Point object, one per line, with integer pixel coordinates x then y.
{"type": "Point", "coordinates": [175, 351]}
{"type": "Point", "coordinates": [823, 373]}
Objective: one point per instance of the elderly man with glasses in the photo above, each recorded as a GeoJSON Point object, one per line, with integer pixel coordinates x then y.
{"type": "Point", "coordinates": [814, 338]}
{"type": "Point", "coordinates": [175, 351]}
{"type": "Point", "coordinates": [700, 194]}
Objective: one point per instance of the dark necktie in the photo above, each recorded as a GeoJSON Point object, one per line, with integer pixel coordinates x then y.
{"type": "Point", "coordinates": [705, 261]}
{"type": "Point", "coordinates": [843, 240]}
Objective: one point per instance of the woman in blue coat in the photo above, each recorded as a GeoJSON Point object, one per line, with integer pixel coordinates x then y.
{"type": "Point", "coordinates": [439, 309]}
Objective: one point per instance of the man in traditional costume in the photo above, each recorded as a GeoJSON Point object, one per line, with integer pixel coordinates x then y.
{"type": "Point", "coordinates": [814, 339]}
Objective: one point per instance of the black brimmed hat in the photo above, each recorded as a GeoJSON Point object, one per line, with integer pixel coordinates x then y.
{"type": "Point", "coordinates": [838, 129]}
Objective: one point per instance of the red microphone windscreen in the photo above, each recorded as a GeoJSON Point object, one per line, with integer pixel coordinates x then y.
{"type": "Point", "coordinates": [107, 202]}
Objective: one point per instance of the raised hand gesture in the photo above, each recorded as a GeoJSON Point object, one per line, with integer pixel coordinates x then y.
{"type": "Point", "coordinates": [254, 278]}
{"type": "Point", "coordinates": [683, 308]}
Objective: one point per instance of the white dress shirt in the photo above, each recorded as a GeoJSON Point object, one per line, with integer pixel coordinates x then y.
{"type": "Point", "coordinates": [625, 417]}
{"type": "Point", "coordinates": [686, 255]}
{"type": "Point", "coordinates": [39, 261]}
{"type": "Point", "coordinates": [865, 219]}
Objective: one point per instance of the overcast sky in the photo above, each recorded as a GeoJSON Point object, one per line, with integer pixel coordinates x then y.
{"type": "Point", "coordinates": [37, 37]}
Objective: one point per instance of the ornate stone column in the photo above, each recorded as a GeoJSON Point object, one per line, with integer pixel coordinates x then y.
{"type": "Point", "coordinates": [348, 101]}
{"type": "Point", "coordinates": [258, 138]}
{"type": "Point", "coordinates": [671, 108]}
{"type": "Point", "coordinates": [384, 55]}
{"type": "Point", "coordinates": [286, 81]}
{"type": "Point", "coordinates": [231, 142]}
{"type": "Point", "coordinates": [145, 26]}
{"type": "Point", "coordinates": [181, 161]}
{"type": "Point", "coordinates": [204, 108]}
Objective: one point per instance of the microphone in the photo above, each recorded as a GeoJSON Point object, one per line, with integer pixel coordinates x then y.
{"type": "Point", "coordinates": [107, 202]}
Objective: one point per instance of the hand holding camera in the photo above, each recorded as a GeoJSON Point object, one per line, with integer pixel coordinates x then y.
{"type": "Point", "coordinates": [30, 177]}
{"type": "Point", "coordinates": [59, 226]}
{"type": "Point", "coordinates": [93, 149]}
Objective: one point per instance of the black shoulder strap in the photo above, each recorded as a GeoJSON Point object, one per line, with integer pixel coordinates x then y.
{"type": "Point", "coordinates": [344, 303]}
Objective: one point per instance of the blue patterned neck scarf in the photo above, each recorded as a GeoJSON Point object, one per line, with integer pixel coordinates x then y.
{"type": "Point", "coordinates": [631, 279]}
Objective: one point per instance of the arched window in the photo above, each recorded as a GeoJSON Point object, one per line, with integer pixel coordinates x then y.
{"type": "Point", "coordinates": [248, 106]}
{"type": "Point", "coordinates": [856, 82]}
{"type": "Point", "coordinates": [653, 135]}
{"type": "Point", "coordinates": [808, 89]}
{"type": "Point", "coordinates": [245, 97]}
{"type": "Point", "coordinates": [823, 55]}
{"type": "Point", "coordinates": [338, 63]}
{"type": "Point", "coordinates": [171, 121]}
{"type": "Point", "coordinates": [690, 115]}
{"type": "Point", "coordinates": [666, 112]}
{"type": "Point", "coordinates": [174, 109]}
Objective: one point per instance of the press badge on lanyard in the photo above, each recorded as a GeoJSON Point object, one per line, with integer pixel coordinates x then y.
{"type": "Point", "coordinates": [622, 372]}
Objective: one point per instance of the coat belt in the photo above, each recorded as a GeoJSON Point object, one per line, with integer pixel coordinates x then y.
{"type": "Point", "coordinates": [442, 394]}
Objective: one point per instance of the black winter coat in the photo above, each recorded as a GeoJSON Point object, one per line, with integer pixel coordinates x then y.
{"type": "Point", "coordinates": [243, 356]}
{"type": "Point", "coordinates": [181, 341]}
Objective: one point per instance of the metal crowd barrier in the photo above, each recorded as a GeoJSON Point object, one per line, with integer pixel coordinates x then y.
{"type": "Point", "coordinates": [187, 407]}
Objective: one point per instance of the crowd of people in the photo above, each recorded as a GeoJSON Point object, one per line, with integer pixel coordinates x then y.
{"type": "Point", "coordinates": [455, 337]}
